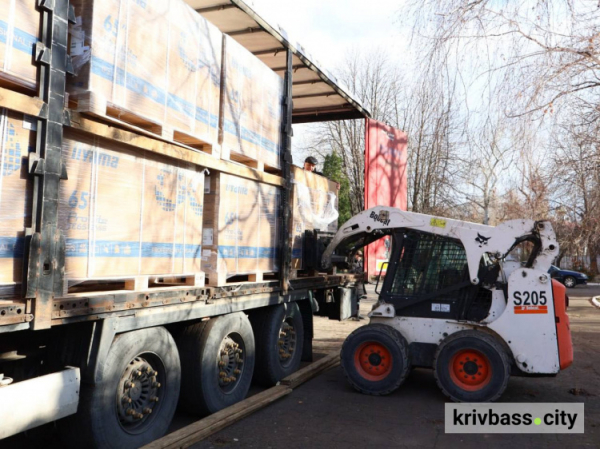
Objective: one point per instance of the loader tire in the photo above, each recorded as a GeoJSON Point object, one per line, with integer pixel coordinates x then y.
{"type": "Point", "coordinates": [471, 366]}
{"type": "Point", "coordinates": [375, 359]}
{"type": "Point", "coordinates": [217, 362]}
{"type": "Point", "coordinates": [279, 334]}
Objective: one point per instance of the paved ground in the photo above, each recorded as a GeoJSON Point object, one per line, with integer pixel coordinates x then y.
{"type": "Point", "coordinates": [327, 413]}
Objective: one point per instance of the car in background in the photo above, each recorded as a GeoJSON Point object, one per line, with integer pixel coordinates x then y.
{"type": "Point", "coordinates": [568, 277]}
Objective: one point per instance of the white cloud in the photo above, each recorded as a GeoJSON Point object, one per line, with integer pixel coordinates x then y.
{"type": "Point", "coordinates": [328, 29]}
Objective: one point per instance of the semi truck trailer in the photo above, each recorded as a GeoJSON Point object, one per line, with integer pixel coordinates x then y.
{"type": "Point", "coordinates": [104, 331]}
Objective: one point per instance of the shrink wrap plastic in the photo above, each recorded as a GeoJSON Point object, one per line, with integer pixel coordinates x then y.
{"type": "Point", "coordinates": [158, 59]}
{"type": "Point", "coordinates": [17, 140]}
{"type": "Point", "coordinates": [253, 111]}
{"type": "Point", "coordinates": [19, 32]}
{"type": "Point", "coordinates": [314, 206]}
{"type": "Point", "coordinates": [122, 212]}
{"type": "Point", "coordinates": [241, 222]}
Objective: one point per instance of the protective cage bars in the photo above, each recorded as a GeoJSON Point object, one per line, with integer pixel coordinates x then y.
{"type": "Point", "coordinates": [44, 254]}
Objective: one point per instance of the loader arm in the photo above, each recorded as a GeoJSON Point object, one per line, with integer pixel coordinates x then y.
{"type": "Point", "coordinates": [477, 239]}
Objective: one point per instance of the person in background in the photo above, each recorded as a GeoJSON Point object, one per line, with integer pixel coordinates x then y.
{"type": "Point", "coordinates": [310, 164]}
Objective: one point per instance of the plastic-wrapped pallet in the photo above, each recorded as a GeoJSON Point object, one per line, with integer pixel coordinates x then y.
{"type": "Point", "coordinates": [314, 206]}
{"type": "Point", "coordinates": [17, 140]}
{"type": "Point", "coordinates": [154, 59]}
{"type": "Point", "coordinates": [126, 213]}
{"type": "Point", "coordinates": [19, 32]}
{"type": "Point", "coordinates": [240, 228]}
{"type": "Point", "coordinates": [252, 107]}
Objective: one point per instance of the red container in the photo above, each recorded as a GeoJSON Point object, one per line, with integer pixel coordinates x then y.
{"type": "Point", "coordinates": [385, 181]}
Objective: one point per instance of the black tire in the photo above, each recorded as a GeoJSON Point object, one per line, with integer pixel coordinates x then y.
{"type": "Point", "coordinates": [101, 420]}
{"type": "Point", "coordinates": [471, 366]}
{"type": "Point", "coordinates": [203, 390]}
{"type": "Point", "coordinates": [276, 329]}
{"type": "Point", "coordinates": [375, 359]}
{"type": "Point", "coordinates": [570, 282]}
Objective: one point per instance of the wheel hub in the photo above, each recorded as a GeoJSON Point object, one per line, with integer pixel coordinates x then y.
{"type": "Point", "coordinates": [470, 369]}
{"type": "Point", "coordinates": [287, 342]}
{"type": "Point", "coordinates": [138, 393]}
{"type": "Point", "coordinates": [373, 361]}
{"type": "Point", "coordinates": [230, 362]}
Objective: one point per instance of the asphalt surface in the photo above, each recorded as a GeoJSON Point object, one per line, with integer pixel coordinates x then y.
{"type": "Point", "coordinates": [327, 413]}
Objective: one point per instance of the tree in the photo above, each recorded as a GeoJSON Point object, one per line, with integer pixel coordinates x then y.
{"type": "Point", "coordinates": [545, 51]}
{"type": "Point", "coordinates": [424, 108]}
{"type": "Point", "coordinates": [333, 169]}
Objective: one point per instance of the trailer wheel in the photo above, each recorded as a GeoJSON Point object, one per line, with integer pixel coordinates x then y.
{"type": "Point", "coordinates": [279, 334]}
{"type": "Point", "coordinates": [375, 359]}
{"type": "Point", "coordinates": [135, 399]}
{"type": "Point", "coordinates": [471, 366]}
{"type": "Point", "coordinates": [217, 363]}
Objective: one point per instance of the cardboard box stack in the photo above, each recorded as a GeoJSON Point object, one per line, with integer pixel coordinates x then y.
{"type": "Point", "coordinates": [156, 59]}
{"type": "Point", "coordinates": [252, 107]}
{"type": "Point", "coordinates": [240, 231]}
{"type": "Point", "coordinates": [19, 31]}
{"type": "Point", "coordinates": [16, 141]}
{"type": "Point", "coordinates": [126, 213]}
{"type": "Point", "coordinates": [314, 206]}
{"type": "Point", "coordinates": [123, 213]}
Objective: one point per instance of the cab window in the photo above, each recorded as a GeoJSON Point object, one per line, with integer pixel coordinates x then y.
{"type": "Point", "coordinates": [428, 263]}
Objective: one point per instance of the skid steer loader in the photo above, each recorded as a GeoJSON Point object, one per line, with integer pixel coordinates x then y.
{"type": "Point", "coordinates": [453, 300]}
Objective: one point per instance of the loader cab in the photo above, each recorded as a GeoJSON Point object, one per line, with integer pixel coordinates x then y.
{"type": "Point", "coordinates": [428, 277]}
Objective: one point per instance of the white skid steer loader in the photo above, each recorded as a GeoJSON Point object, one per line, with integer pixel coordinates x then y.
{"type": "Point", "coordinates": [452, 300]}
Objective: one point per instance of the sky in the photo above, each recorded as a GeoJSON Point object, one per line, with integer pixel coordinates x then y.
{"type": "Point", "coordinates": [329, 29]}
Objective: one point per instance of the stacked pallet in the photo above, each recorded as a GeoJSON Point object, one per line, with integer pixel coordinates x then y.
{"type": "Point", "coordinates": [125, 214]}
{"type": "Point", "coordinates": [130, 216]}
{"type": "Point", "coordinates": [240, 232]}
{"type": "Point", "coordinates": [19, 32]}
{"type": "Point", "coordinates": [314, 206]}
{"type": "Point", "coordinates": [154, 64]}
{"type": "Point", "coordinates": [252, 108]}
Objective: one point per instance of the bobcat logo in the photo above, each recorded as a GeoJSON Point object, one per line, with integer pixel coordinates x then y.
{"type": "Point", "coordinates": [482, 240]}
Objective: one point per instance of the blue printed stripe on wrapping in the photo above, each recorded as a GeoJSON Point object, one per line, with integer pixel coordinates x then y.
{"type": "Point", "coordinates": [11, 247]}
{"type": "Point", "coordinates": [246, 252]}
{"type": "Point", "coordinates": [251, 136]}
{"type": "Point", "coordinates": [22, 41]}
{"type": "Point", "coordinates": [141, 87]}
{"type": "Point", "coordinates": [120, 249]}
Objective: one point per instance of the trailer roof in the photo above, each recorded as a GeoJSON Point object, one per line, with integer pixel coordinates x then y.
{"type": "Point", "coordinates": [318, 95]}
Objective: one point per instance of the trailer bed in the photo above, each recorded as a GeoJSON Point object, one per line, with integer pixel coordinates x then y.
{"type": "Point", "coordinates": [196, 302]}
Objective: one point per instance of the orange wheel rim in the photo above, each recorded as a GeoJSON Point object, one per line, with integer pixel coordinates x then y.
{"type": "Point", "coordinates": [373, 361]}
{"type": "Point", "coordinates": [470, 370]}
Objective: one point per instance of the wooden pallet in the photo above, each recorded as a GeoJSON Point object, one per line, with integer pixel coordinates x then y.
{"type": "Point", "coordinates": [17, 84]}
{"type": "Point", "coordinates": [94, 104]}
{"type": "Point", "coordinates": [249, 162]}
{"type": "Point", "coordinates": [222, 279]}
{"type": "Point", "coordinates": [134, 283]}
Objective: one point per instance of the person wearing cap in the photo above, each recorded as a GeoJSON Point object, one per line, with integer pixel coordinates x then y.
{"type": "Point", "coordinates": [310, 164]}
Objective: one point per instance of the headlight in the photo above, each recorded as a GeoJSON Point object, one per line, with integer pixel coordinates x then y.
{"type": "Point", "coordinates": [583, 276]}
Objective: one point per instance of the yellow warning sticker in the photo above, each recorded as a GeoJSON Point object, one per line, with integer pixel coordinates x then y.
{"type": "Point", "coordinates": [438, 223]}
